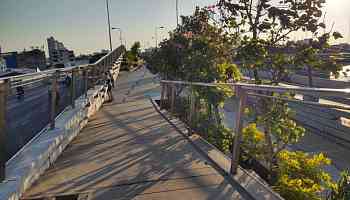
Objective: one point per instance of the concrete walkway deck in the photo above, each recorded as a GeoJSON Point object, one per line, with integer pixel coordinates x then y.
{"type": "Point", "coordinates": [128, 151]}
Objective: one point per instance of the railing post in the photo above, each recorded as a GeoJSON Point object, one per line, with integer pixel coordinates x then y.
{"type": "Point", "coordinates": [242, 96]}
{"type": "Point", "coordinates": [90, 76]}
{"type": "Point", "coordinates": [192, 111]}
{"type": "Point", "coordinates": [109, 62]}
{"type": "Point", "coordinates": [73, 88]}
{"type": "Point", "coordinates": [162, 95]}
{"type": "Point", "coordinates": [85, 80]}
{"type": "Point", "coordinates": [104, 68]}
{"type": "Point", "coordinates": [4, 89]}
{"type": "Point", "coordinates": [53, 99]}
{"type": "Point", "coordinates": [172, 86]}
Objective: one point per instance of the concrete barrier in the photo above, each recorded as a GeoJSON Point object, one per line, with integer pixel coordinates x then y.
{"type": "Point", "coordinates": [38, 155]}
{"type": "Point", "coordinates": [319, 82]}
{"type": "Point", "coordinates": [303, 80]}
{"type": "Point", "coordinates": [326, 121]}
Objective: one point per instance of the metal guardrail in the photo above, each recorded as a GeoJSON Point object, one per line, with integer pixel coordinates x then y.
{"type": "Point", "coordinates": [242, 91]}
{"type": "Point", "coordinates": [89, 75]}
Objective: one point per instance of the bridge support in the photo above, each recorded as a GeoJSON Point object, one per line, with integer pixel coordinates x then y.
{"type": "Point", "coordinates": [4, 89]}
{"type": "Point", "coordinates": [242, 97]}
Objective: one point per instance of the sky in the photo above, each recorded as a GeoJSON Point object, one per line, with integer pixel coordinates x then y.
{"type": "Point", "coordinates": [82, 24]}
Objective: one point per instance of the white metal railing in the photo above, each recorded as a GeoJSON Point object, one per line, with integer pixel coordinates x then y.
{"type": "Point", "coordinates": [90, 75]}
{"type": "Point", "coordinates": [242, 91]}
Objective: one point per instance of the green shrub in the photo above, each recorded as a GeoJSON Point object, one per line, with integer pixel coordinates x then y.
{"type": "Point", "coordinates": [301, 176]}
{"type": "Point", "coordinates": [341, 190]}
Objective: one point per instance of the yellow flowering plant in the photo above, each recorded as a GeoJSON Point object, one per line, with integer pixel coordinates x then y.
{"type": "Point", "coordinates": [301, 176]}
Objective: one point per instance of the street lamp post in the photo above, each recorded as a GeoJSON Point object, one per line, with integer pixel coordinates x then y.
{"type": "Point", "coordinates": [109, 27]}
{"type": "Point", "coordinates": [120, 34]}
{"type": "Point", "coordinates": [156, 34]}
{"type": "Point", "coordinates": [177, 12]}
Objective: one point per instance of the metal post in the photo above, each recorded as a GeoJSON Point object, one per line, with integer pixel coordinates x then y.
{"type": "Point", "coordinates": [85, 79]}
{"type": "Point", "coordinates": [101, 68]}
{"type": "Point", "coordinates": [172, 98]}
{"type": "Point", "coordinates": [91, 75]}
{"type": "Point", "coordinates": [121, 38]}
{"type": "Point", "coordinates": [177, 13]}
{"type": "Point", "coordinates": [4, 87]}
{"type": "Point", "coordinates": [73, 88]}
{"type": "Point", "coordinates": [92, 78]}
{"type": "Point", "coordinates": [241, 94]}
{"type": "Point", "coordinates": [192, 111]}
{"type": "Point", "coordinates": [156, 37]}
{"type": "Point", "coordinates": [53, 99]}
{"type": "Point", "coordinates": [106, 66]}
{"type": "Point", "coordinates": [162, 95]}
{"type": "Point", "coordinates": [104, 63]}
{"type": "Point", "coordinates": [109, 27]}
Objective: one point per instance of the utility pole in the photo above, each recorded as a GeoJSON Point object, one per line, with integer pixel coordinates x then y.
{"type": "Point", "coordinates": [177, 13]}
{"type": "Point", "coordinates": [109, 27]}
{"type": "Point", "coordinates": [156, 38]}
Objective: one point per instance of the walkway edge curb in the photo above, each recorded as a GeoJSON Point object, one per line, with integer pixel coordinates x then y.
{"type": "Point", "coordinates": [250, 186]}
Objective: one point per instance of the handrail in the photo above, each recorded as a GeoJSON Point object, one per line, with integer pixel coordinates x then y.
{"type": "Point", "coordinates": [242, 91]}
{"type": "Point", "coordinates": [66, 69]}
{"type": "Point", "coordinates": [271, 88]}
{"type": "Point", "coordinates": [90, 76]}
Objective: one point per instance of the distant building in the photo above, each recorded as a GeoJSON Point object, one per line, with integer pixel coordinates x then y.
{"type": "Point", "coordinates": [27, 59]}
{"type": "Point", "coordinates": [59, 54]}
{"type": "Point", "coordinates": [3, 65]}
{"type": "Point", "coordinates": [10, 59]}
{"type": "Point", "coordinates": [32, 59]}
{"type": "Point", "coordinates": [82, 60]}
{"type": "Point", "coordinates": [105, 51]}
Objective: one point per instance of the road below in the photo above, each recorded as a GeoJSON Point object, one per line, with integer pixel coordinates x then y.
{"type": "Point", "coordinates": [26, 117]}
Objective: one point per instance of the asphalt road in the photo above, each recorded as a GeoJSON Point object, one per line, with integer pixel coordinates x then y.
{"type": "Point", "coordinates": [28, 116]}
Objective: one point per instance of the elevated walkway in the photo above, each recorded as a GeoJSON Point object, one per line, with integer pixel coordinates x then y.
{"type": "Point", "coordinates": [129, 151]}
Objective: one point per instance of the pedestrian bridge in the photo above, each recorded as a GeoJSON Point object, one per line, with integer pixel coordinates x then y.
{"type": "Point", "coordinates": [128, 150]}
{"type": "Point", "coordinates": [125, 149]}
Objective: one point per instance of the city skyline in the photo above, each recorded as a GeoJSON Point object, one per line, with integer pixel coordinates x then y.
{"type": "Point", "coordinates": [82, 24]}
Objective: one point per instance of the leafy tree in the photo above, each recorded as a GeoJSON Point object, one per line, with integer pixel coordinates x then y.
{"type": "Point", "coordinates": [266, 26]}
{"type": "Point", "coordinates": [309, 55]}
{"type": "Point", "coordinates": [254, 33]}
{"type": "Point", "coordinates": [199, 51]}
{"type": "Point", "coordinates": [301, 176]}
{"type": "Point", "coordinates": [135, 49]}
{"type": "Point", "coordinates": [132, 57]}
{"type": "Point", "coordinates": [266, 23]}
